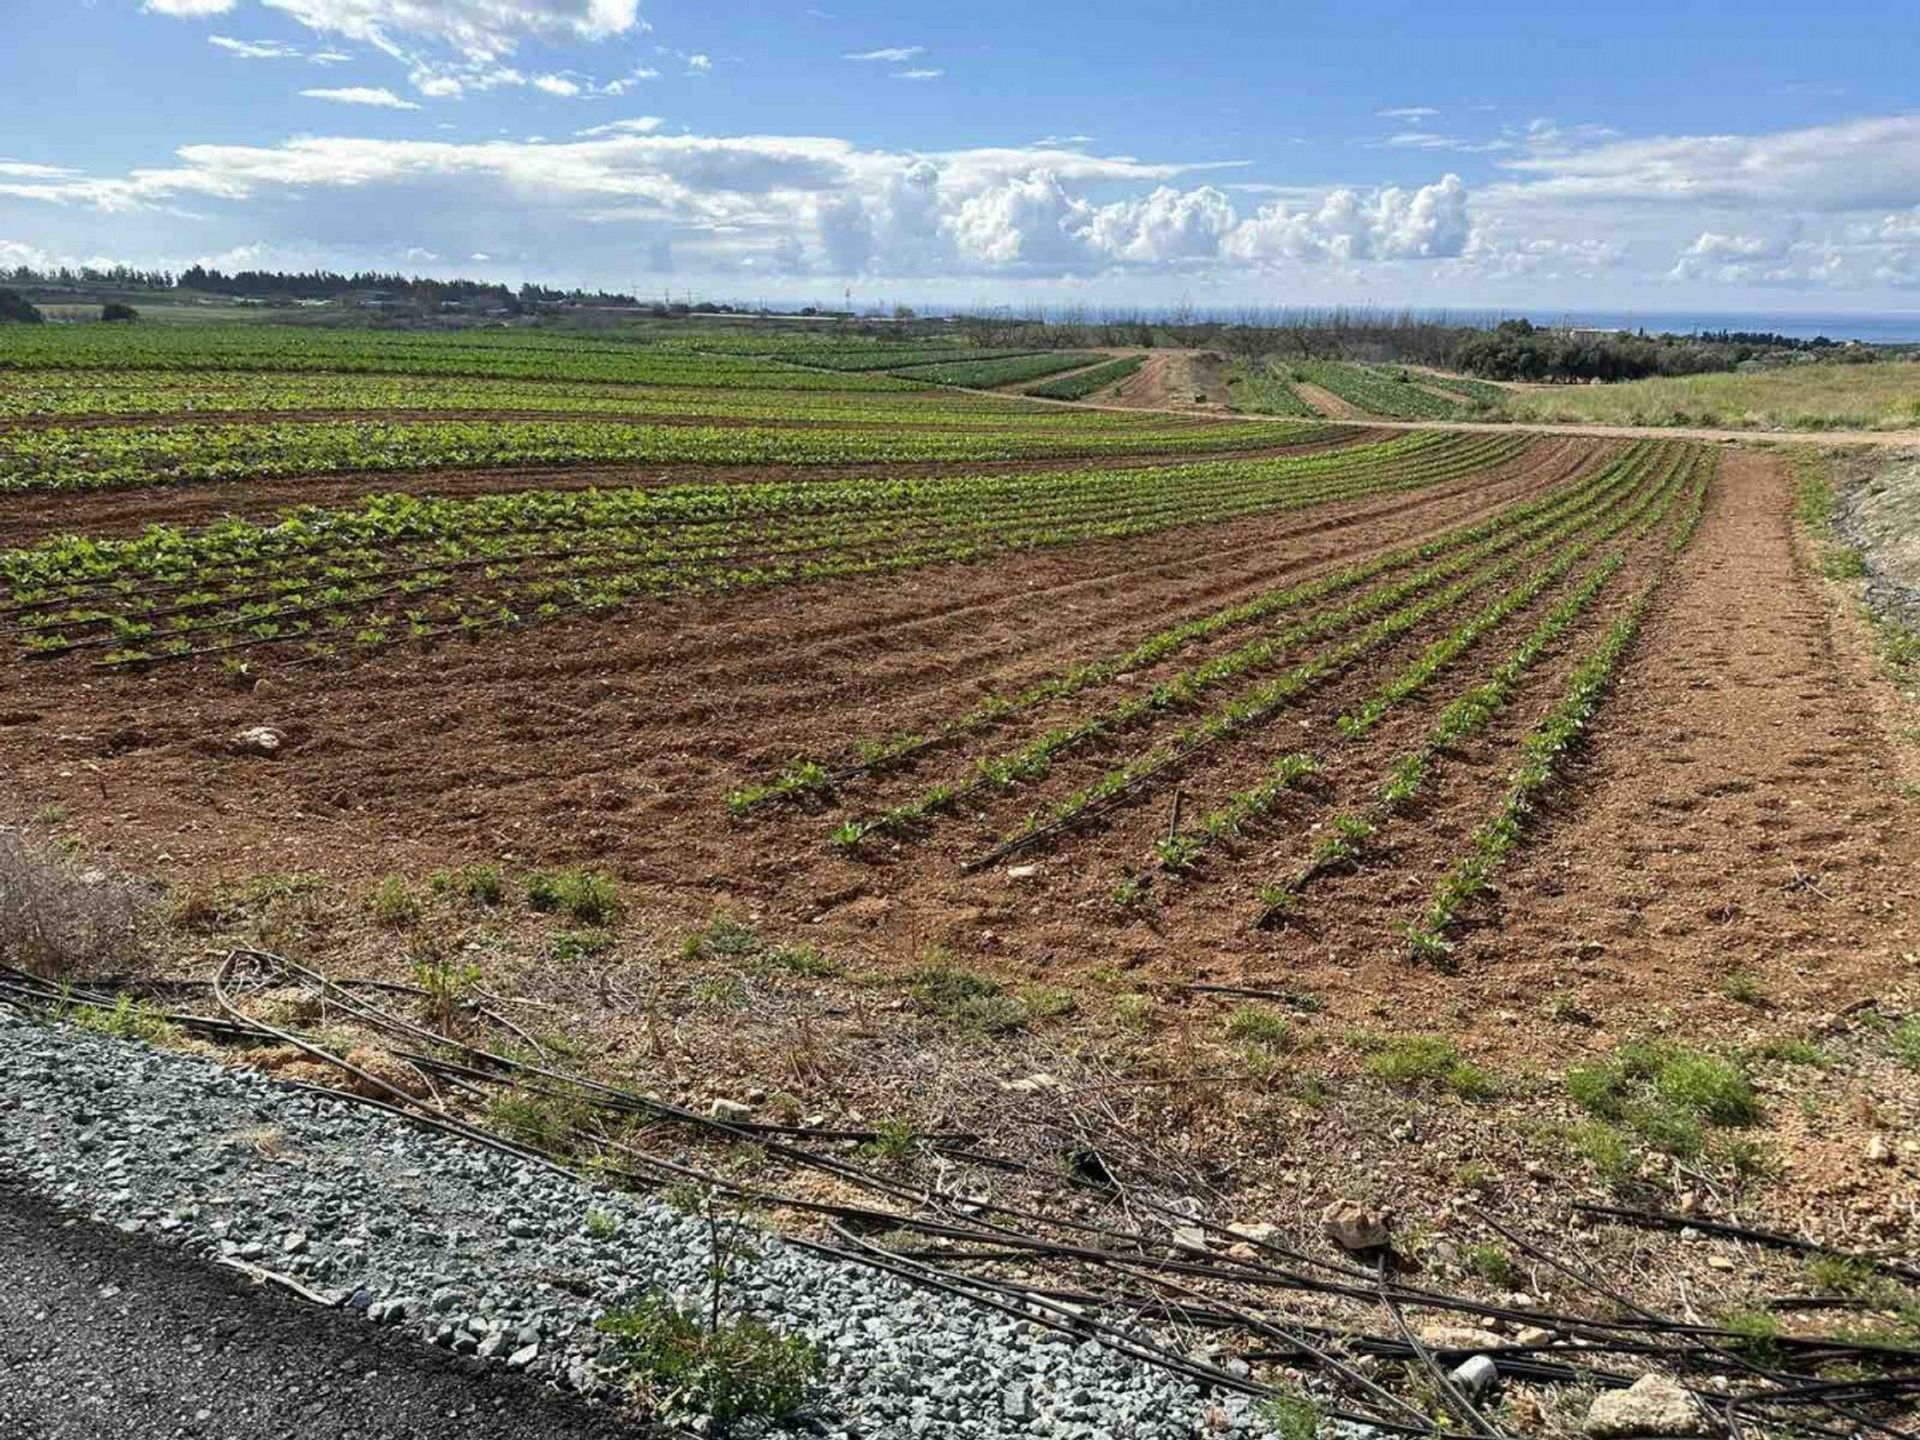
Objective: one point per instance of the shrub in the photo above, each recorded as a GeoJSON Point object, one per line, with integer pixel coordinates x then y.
{"type": "Point", "coordinates": [963, 998]}
{"type": "Point", "coordinates": [1905, 1042]}
{"type": "Point", "coordinates": [128, 1019]}
{"type": "Point", "coordinates": [1412, 1059]}
{"type": "Point", "coordinates": [1261, 1025]}
{"type": "Point", "coordinates": [589, 896]}
{"type": "Point", "coordinates": [481, 884]}
{"type": "Point", "coordinates": [730, 1370]}
{"type": "Point", "coordinates": [118, 312]}
{"type": "Point", "coordinates": [1491, 1264]}
{"type": "Point", "coordinates": [15, 307]}
{"type": "Point", "coordinates": [1291, 1417]}
{"type": "Point", "coordinates": [393, 904]}
{"type": "Point", "coordinates": [1666, 1093]}
{"type": "Point", "coordinates": [570, 946]}
{"type": "Point", "coordinates": [722, 936]}
{"type": "Point", "coordinates": [546, 1122]}
{"type": "Point", "coordinates": [59, 920]}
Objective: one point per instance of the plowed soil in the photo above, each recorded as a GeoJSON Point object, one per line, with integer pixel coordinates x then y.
{"type": "Point", "coordinates": [1730, 813]}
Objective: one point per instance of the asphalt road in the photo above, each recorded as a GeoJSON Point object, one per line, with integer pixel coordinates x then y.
{"type": "Point", "coordinates": [105, 1336]}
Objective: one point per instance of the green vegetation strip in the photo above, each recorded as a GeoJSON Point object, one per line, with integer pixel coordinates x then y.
{"type": "Point", "coordinates": [1183, 691]}
{"type": "Point", "coordinates": [1083, 383]}
{"type": "Point", "coordinates": [204, 394]}
{"type": "Point", "coordinates": [1470, 713]}
{"type": "Point", "coordinates": [1544, 754]}
{"type": "Point", "coordinates": [1433, 465]}
{"type": "Point", "coordinates": [75, 458]}
{"type": "Point", "coordinates": [363, 574]}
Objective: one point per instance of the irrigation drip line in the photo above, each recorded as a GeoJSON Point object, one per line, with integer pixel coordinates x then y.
{"type": "Point", "coordinates": [969, 1232]}
{"type": "Point", "coordinates": [1662, 1220]}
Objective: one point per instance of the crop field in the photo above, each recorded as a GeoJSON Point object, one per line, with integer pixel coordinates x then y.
{"type": "Point", "coordinates": [1254, 688]}
{"type": "Point", "coordinates": [1267, 808]}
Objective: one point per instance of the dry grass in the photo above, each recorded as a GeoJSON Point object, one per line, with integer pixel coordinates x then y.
{"type": "Point", "coordinates": [1883, 396]}
{"type": "Point", "coordinates": [62, 918]}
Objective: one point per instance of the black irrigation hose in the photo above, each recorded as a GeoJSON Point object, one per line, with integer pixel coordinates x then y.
{"type": "Point", "coordinates": [1661, 1220]}
{"type": "Point", "coordinates": [995, 1240]}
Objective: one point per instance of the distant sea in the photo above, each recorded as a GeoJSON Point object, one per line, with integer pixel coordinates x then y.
{"type": "Point", "coordinates": [1888, 329]}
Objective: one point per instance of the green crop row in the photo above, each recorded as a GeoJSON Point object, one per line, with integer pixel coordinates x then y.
{"type": "Point", "coordinates": [1184, 690]}
{"type": "Point", "coordinates": [1083, 383]}
{"type": "Point", "coordinates": [985, 374]}
{"type": "Point", "coordinates": [402, 564]}
{"type": "Point", "coordinates": [1471, 712]}
{"type": "Point", "coordinates": [35, 394]}
{"type": "Point", "coordinates": [508, 354]}
{"type": "Point", "coordinates": [1385, 390]}
{"type": "Point", "coordinates": [91, 457]}
{"type": "Point", "coordinates": [1544, 754]}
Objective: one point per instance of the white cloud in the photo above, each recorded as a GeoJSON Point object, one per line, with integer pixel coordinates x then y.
{"type": "Point", "coordinates": [254, 49]}
{"type": "Point", "coordinates": [699, 64]}
{"type": "Point", "coordinates": [27, 170]}
{"type": "Point", "coordinates": [637, 125]}
{"type": "Point", "coordinates": [188, 9]}
{"type": "Point", "coordinates": [918, 74]}
{"type": "Point", "coordinates": [1862, 164]}
{"type": "Point", "coordinates": [783, 204]}
{"type": "Point", "coordinates": [377, 96]}
{"type": "Point", "coordinates": [329, 57]}
{"type": "Point", "coordinates": [1413, 114]}
{"type": "Point", "coordinates": [1431, 223]}
{"type": "Point", "coordinates": [891, 55]}
{"type": "Point", "coordinates": [477, 29]}
{"type": "Point", "coordinates": [559, 85]}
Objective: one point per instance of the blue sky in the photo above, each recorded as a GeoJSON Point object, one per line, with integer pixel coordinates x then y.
{"type": "Point", "coordinates": [1698, 155]}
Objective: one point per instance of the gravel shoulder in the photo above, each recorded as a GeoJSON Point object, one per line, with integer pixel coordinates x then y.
{"type": "Point", "coordinates": [483, 1254]}
{"type": "Point", "coordinates": [110, 1335]}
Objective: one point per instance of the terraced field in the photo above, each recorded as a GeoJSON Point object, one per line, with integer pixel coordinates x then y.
{"type": "Point", "coordinates": [757, 618]}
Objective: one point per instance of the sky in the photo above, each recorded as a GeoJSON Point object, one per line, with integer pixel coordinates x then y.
{"type": "Point", "coordinates": [1683, 156]}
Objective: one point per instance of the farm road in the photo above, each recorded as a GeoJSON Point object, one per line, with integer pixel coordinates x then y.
{"type": "Point", "coordinates": [105, 1336]}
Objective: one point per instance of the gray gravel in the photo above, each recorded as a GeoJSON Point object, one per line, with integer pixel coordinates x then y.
{"type": "Point", "coordinates": [487, 1256]}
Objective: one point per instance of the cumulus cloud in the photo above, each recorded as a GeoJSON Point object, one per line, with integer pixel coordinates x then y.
{"type": "Point", "coordinates": [796, 204]}
{"type": "Point", "coordinates": [377, 96]}
{"type": "Point", "coordinates": [1430, 223]}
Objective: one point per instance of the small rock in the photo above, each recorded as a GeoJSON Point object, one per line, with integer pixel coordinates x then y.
{"type": "Point", "coordinates": [259, 740]}
{"type": "Point", "coordinates": [1878, 1151]}
{"type": "Point", "coordinates": [1257, 1231]}
{"type": "Point", "coordinates": [1719, 1262]}
{"type": "Point", "coordinates": [1533, 1337]}
{"type": "Point", "coordinates": [1457, 1338]}
{"type": "Point", "coordinates": [1652, 1405]}
{"type": "Point", "coordinates": [523, 1357]}
{"type": "Point", "coordinates": [1356, 1227]}
{"type": "Point", "coordinates": [729, 1112]}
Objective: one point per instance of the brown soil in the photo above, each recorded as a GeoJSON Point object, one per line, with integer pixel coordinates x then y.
{"type": "Point", "coordinates": [1325, 401]}
{"type": "Point", "coordinates": [1739, 811]}
{"type": "Point", "coordinates": [1180, 381]}
{"type": "Point", "coordinates": [1734, 810]}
